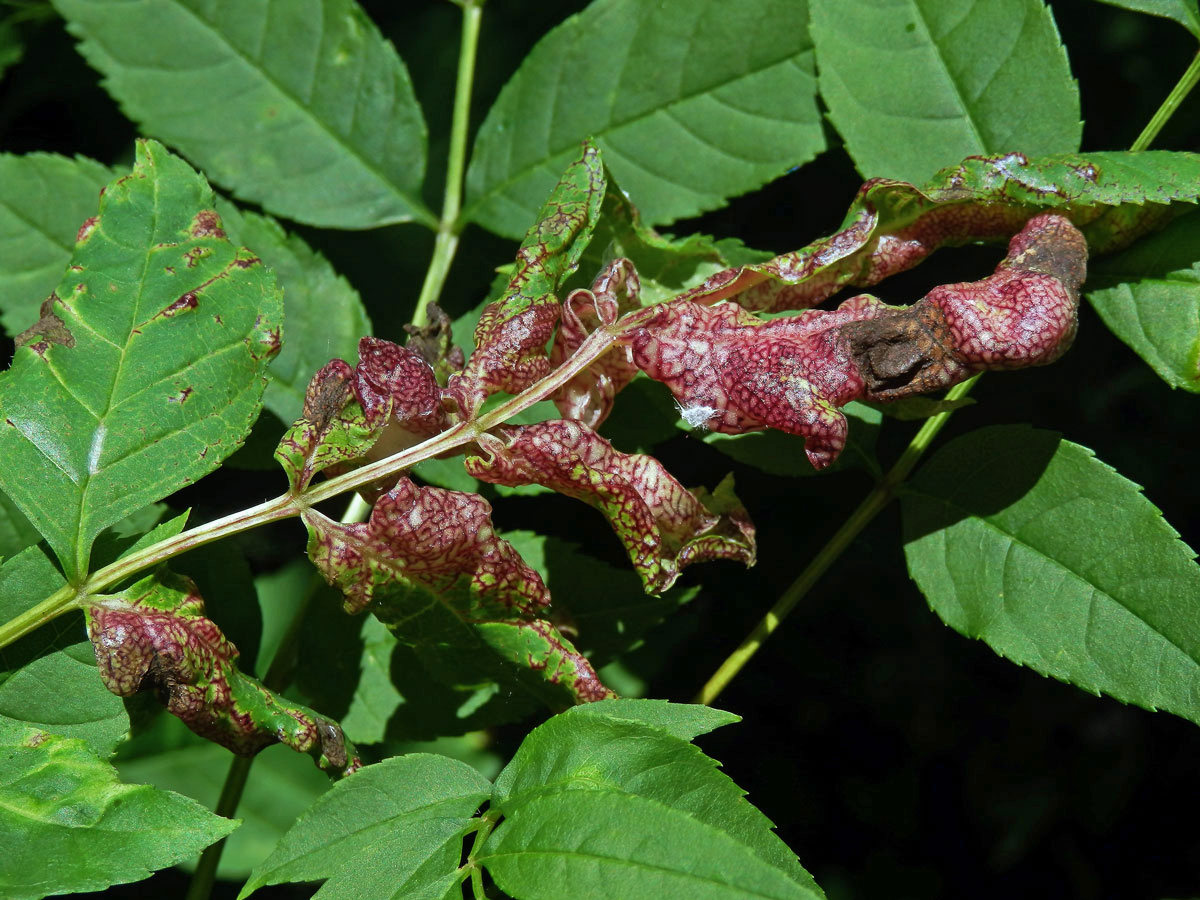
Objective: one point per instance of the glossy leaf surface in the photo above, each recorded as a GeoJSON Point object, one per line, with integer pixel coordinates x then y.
{"type": "Point", "coordinates": [1031, 544]}
{"type": "Point", "coordinates": [914, 85]}
{"type": "Point", "coordinates": [146, 370]}
{"type": "Point", "coordinates": [701, 103]}
{"type": "Point", "coordinates": [304, 109]}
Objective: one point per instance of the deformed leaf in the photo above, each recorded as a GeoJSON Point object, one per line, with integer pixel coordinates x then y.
{"type": "Point", "coordinates": [48, 679]}
{"type": "Point", "coordinates": [512, 332]}
{"type": "Point", "coordinates": [324, 314]}
{"type": "Point", "coordinates": [691, 103]}
{"type": "Point", "coordinates": [68, 825]}
{"type": "Point", "coordinates": [390, 830]}
{"type": "Point", "coordinates": [1149, 297]}
{"type": "Point", "coordinates": [43, 200]}
{"type": "Point", "coordinates": [1031, 544]}
{"type": "Point", "coordinates": [913, 85]}
{"type": "Point", "coordinates": [146, 368]}
{"type": "Point", "coordinates": [663, 526]}
{"type": "Point", "coordinates": [154, 635]}
{"type": "Point", "coordinates": [733, 372]}
{"type": "Point", "coordinates": [1113, 198]}
{"type": "Point", "coordinates": [429, 564]}
{"type": "Point", "coordinates": [306, 111]}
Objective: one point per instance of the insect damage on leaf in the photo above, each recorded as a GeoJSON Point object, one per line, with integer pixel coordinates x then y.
{"type": "Point", "coordinates": [430, 565]}
{"type": "Point", "coordinates": [512, 333]}
{"type": "Point", "coordinates": [795, 373]}
{"type": "Point", "coordinates": [48, 329]}
{"type": "Point", "coordinates": [155, 636]}
{"type": "Point", "coordinates": [663, 526]}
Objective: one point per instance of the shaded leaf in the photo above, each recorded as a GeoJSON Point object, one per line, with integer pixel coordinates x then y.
{"type": "Point", "coordinates": [68, 825]}
{"type": "Point", "coordinates": [396, 824]}
{"type": "Point", "coordinates": [155, 635]}
{"type": "Point", "coordinates": [43, 200]}
{"type": "Point", "coordinates": [512, 332]}
{"type": "Point", "coordinates": [662, 525]}
{"type": "Point", "coordinates": [48, 679]}
{"type": "Point", "coordinates": [1182, 11]}
{"type": "Point", "coordinates": [323, 314]}
{"type": "Point", "coordinates": [429, 564]}
{"type": "Point", "coordinates": [309, 113]}
{"type": "Point", "coordinates": [731, 371]}
{"type": "Point", "coordinates": [595, 844]}
{"type": "Point", "coordinates": [1149, 297]}
{"type": "Point", "coordinates": [1033, 545]}
{"type": "Point", "coordinates": [283, 785]}
{"type": "Point", "coordinates": [914, 85]}
{"type": "Point", "coordinates": [701, 102]}
{"type": "Point", "coordinates": [86, 438]}
{"type": "Point", "coordinates": [16, 533]}
{"type": "Point", "coordinates": [1113, 198]}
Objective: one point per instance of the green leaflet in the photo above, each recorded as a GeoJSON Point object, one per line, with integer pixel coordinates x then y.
{"type": "Point", "coordinates": [147, 369]}
{"type": "Point", "coordinates": [603, 844]}
{"type": "Point", "coordinates": [603, 747]}
{"type": "Point", "coordinates": [312, 116]}
{"type": "Point", "coordinates": [396, 824]}
{"type": "Point", "coordinates": [323, 313]}
{"type": "Point", "coordinates": [1182, 11]}
{"type": "Point", "coordinates": [43, 201]}
{"type": "Point", "coordinates": [691, 103]}
{"type": "Point", "coordinates": [68, 825]}
{"type": "Point", "coordinates": [914, 85]}
{"type": "Point", "coordinates": [1031, 544]}
{"type": "Point", "coordinates": [1149, 297]}
{"type": "Point", "coordinates": [284, 784]}
{"type": "Point", "coordinates": [48, 679]}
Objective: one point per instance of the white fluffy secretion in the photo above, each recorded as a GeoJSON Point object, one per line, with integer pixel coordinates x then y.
{"type": "Point", "coordinates": [696, 416]}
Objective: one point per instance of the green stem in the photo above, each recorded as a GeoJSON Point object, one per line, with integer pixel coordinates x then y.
{"type": "Point", "coordinates": [446, 243]}
{"type": "Point", "coordinates": [874, 503]}
{"type": "Point", "coordinates": [487, 824]}
{"type": "Point", "coordinates": [200, 887]}
{"type": "Point", "coordinates": [278, 676]}
{"type": "Point", "coordinates": [1184, 86]}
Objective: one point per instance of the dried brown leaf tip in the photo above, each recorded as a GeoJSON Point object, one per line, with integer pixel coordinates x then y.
{"type": "Point", "coordinates": [155, 636]}
{"type": "Point", "coordinates": [732, 372]}
{"type": "Point", "coordinates": [429, 563]}
{"type": "Point", "coordinates": [663, 526]}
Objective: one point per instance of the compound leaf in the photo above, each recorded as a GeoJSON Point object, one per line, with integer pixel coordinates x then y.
{"type": "Point", "coordinates": [68, 825]}
{"type": "Point", "coordinates": [303, 108]}
{"type": "Point", "coordinates": [914, 85]}
{"type": "Point", "coordinates": [1031, 544]}
{"type": "Point", "coordinates": [146, 368]}
{"type": "Point", "coordinates": [691, 103]}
